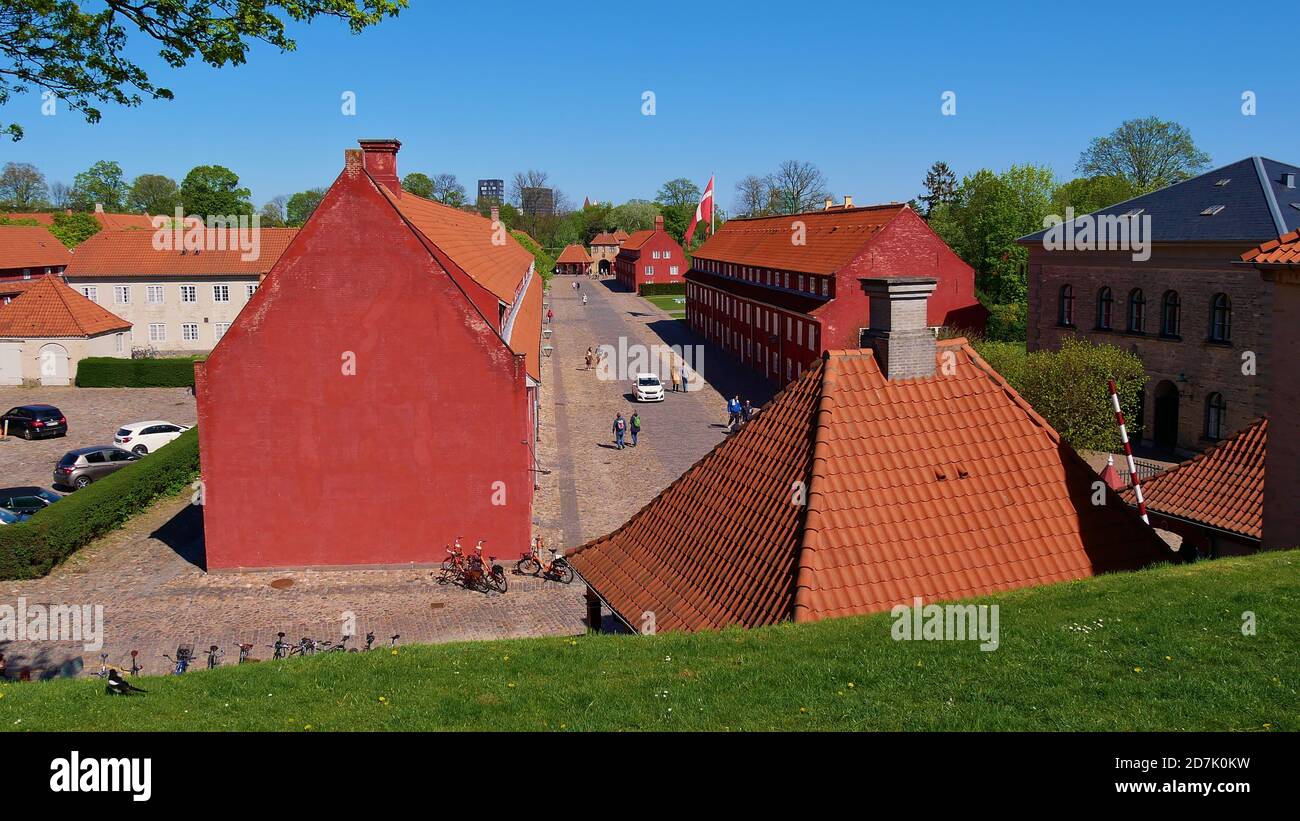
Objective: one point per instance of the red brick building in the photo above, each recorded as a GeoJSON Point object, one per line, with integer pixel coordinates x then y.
{"type": "Point", "coordinates": [30, 251]}
{"type": "Point", "coordinates": [924, 474]}
{"type": "Point", "coordinates": [779, 291]}
{"type": "Point", "coordinates": [377, 397]}
{"type": "Point", "coordinates": [1199, 320]}
{"type": "Point", "coordinates": [649, 257]}
{"type": "Point", "coordinates": [573, 261]}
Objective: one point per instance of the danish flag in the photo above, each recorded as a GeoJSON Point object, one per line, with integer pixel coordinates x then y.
{"type": "Point", "coordinates": [703, 211]}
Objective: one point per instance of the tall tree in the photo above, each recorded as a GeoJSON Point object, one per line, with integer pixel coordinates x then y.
{"type": "Point", "coordinates": [798, 186]}
{"type": "Point", "coordinates": [754, 196]}
{"type": "Point", "coordinates": [214, 190]}
{"type": "Point", "coordinates": [940, 186]}
{"type": "Point", "coordinates": [273, 212]}
{"type": "Point", "coordinates": [418, 184]}
{"type": "Point", "coordinates": [22, 186]}
{"type": "Point", "coordinates": [677, 192]}
{"type": "Point", "coordinates": [532, 178]}
{"type": "Point", "coordinates": [448, 190]}
{"type": "Point", "coordinates": [301, 206]}
{"type": "Point", "coordinates": [79, 50]}
{"type": "Point", "coordinates": [1150, 153]}
{"type": "Point", "coordinates": [101, 184]}
{"type": "Point", "coordinates": [1088, 194]}
{"type": "Point", "coordinates": [153, 194]}
{"type": "Point", "coordinates": [60, 195]}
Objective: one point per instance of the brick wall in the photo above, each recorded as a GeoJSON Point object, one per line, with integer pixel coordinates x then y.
{"type": "Point", "coordinates": [1190, 363]}
{"type": "Point", "coordinates": [1282, 460]}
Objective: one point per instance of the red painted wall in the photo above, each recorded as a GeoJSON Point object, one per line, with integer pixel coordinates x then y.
{"type": "Point", "coordinates": [304, 466]}
{"type": "Point", "coordinates": [631, 271]}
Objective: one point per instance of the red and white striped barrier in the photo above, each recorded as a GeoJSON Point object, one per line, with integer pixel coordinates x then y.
{"type": "Point", "coordinates": [1128, 452]}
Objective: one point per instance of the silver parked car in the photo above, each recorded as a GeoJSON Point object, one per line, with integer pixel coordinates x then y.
{"type": "Point", "coordinates": [82, 466]}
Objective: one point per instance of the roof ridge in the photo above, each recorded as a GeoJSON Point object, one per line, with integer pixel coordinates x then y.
{"type": "Point", "coordinates": [1206, 454]}
{"type": "Point", "coordinates": [810, 542]}
{"type": "Point", "coordinates": [1270, 196]}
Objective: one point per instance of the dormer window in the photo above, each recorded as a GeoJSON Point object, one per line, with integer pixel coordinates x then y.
{"type": "Point", "coordinates": [1212, 210]}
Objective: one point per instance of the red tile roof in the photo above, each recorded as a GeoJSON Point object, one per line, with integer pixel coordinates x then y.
{"type": "Point", "coordinates": [51, 308]}
{"type": "Point", "coordinates": [1222, 488]}
{"type": "Point", "coordinates": [107, 222]}
{"type": "Point", "coordinates": [832, 239]}
{"type": "Point", "coordinates": [573, 254]}
{"type": "Point", "coordinates": [526, 331]}
{"type": "Point", "coordinates": [620, 235]}
{"type": "Point", "coordinates": [1284, 250]}
{"type": "Point", "coordinates": [115, 254]}
{"type": "Point", "coordinates": [14, 287]}
{"type": "Point", "coordinates": [30, 246]}
{"type": "Point", "coordinates": [468, 239]}
{"type": "Point", "coordinates": [605, 238]}
{"type": "Point", "coordinates": [636, 239]}
{"type": "Point", "coordinates": [943, 487]}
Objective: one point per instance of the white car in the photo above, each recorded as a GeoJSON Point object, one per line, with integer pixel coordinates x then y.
{"type": "Point", "coordinates": [649, 388]}
{"type": "Point", "coordinates": [146, 437]}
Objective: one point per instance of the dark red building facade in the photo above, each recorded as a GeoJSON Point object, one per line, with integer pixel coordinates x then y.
{"type": "Point", "coordinates": [377, 397]}
{"type": "Point", "coordinates": [779, 291]}
{"type": "Point", "coordinates": [649, 257]}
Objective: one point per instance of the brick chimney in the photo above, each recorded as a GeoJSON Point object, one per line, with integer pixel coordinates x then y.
{"type": "Point", "coordinates": [496, 213]}
{"type": "Point", "coordinates": [380, 160]}
{"type": "Point", "coordinates": [900, 334]}
{"type": "Point", "coordinates": [659, 223]}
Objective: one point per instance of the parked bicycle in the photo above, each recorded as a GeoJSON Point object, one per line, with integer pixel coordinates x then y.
{"type": "Point", "coordinates": [103, 667]}
{"type": "Point", "coordinates": [135, 663]}
{"type": "Point", "coordinates": [184, 658]}
{"type": "Point", "coordinates": [214, 656]}
{"type": "Point", "coordinates": [482, 574]}
{"type": "Point", "coordinates": [281, 648]}
{"type": "Point", "coordinates": [531, 564]}
{"type": "Point", "coordinates": [244, 650]}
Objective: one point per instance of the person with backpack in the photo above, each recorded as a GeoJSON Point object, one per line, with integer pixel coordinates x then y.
{"type": "Point", "coordinates": [636, 426]}
{"type": "Point", "coordinates": [620, 426]}
{"type": "Point", "coordinates": [733, 413]}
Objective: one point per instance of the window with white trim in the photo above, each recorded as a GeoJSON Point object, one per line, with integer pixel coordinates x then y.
{"type": "Point", "coordinates": [90, 292]}
{"type": "Point", "coordinates": [153, 294]}
{"type": "Point", "coordinates": [672, 270]}
{"type": "Point", "coordinates": [189, 293]}
{"type": "Point", "coordinates": [190, 331]}
{"type": "Point", "coordinates": [250, 289]}
{"type": "Point", "coordinates": [220, 293]}
{"type": "Point", "coordinates": [649, 270]}
{"type": "Point", "coordinates": [654, 255]}
{"type": "Point", "coordinates": [157, 332]}
{"type": "Point", "coordinates": [122, 294]}
{"type": "Point", "coordinates": [219, 329]}
{"type": "Point", "coordinates": [119, 342]}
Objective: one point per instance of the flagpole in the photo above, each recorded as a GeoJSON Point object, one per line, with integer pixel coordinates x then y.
{"type": "Point", "coordinates": [713, 206]}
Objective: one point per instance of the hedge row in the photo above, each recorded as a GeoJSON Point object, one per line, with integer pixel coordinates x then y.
{"type": "Point", "coordinates": [113, 372]}
{"type": "Point", "coordinates": [31, 549]}
{"type": "Point", "coordinates": [660, 288]}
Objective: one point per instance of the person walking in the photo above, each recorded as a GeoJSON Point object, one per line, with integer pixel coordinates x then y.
{"type": "Point", "coordinates": [620, 427]}
{"type": "Point", "coordinates": [746, 411]}
{"type": "Point", "coordinates": [686, 377]}
{"type": "Point", "coordinates": [584, 300]}
{"type": "Point", "coordinates": [733, 413]}
{"type": "Point", "coordinates": [636, 426]}
{"type": "Point", "coordinates": [550, 316]}
{"type": "Point", "coordinates": [676, 374]}
{"type": "Point", "coordinates": [591, 355]}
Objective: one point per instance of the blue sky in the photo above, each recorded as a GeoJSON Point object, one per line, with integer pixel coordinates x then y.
{"type": "Point", "coordinates": [483, 90]}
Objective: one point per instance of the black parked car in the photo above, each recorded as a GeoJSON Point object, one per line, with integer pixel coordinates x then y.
{"type": "Point", "coordinates": [26, 499]}
{"type": "Point", "coordinates": [35, 421]}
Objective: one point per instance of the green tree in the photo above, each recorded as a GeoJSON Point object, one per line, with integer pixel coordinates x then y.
{"type": "Point", "coordinates": [301, 206]}
{"type": "Point", "coordinates": [418, 184]}
{"type": "Point", "coordinates": [101, 184]}
{"type": "Point", "coordinates": [74, 229]}
{"type": "Point", "coordinates": [153, 194]}
{"type": "Point", "coordinates": [273, 213]}
{"type": "Point", "coordinates": [214, 190]}
{"type": "Point", "coordinates": [22, 187]}
{"type": "Point", "coordinates": [940, 187]}
{"type": "Point", "coordinates": [78, 50]}
{"type": "Point", "coordinates": [543, 263]}
{"type": "Point", "coordinates": [1088, 194]}
{"type": "Point", "coordinates": [634, 215]}
{"type": "Point", "coordinates": [1150, 153]}
{"type": "Point", "coordinates": [448, 190]}
{"type": "Point", "coordinates": [679, 191]}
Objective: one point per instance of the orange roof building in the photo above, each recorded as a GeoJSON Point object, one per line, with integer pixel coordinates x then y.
{"type": "Point", "coordinates": [604, 250]}
{"type": "Point", "coordinates": [1215, 500]}
{"type": "Point", "coordinates": [107, 221]}
{"type": "Point", "coordinates": [650, 257]}
{"type": "Point", "coordinates": [29, 250]}
{"type": "Point", "coordinates": [573, 260]}
{"type": "Point", "coordinates": [48, 328]}
{"type": "Point", "coordinates": [907, 469]}
{"type": "Point", "coordinates": [778, 291]}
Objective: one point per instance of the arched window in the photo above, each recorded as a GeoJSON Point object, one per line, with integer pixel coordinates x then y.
{"type": "Point", "coordinates": [1216, 411]}
{"type": "Point", "coordinates": [1137, 311]}
{"type": "Point", "coordinates": [1104, 304]}
{"type": "Point", "coordinates": [1065, 306]}
{"type": "Point", "coordinates": [1170, 314]}
{"type": "Point", "coordinates": [1220, 318]}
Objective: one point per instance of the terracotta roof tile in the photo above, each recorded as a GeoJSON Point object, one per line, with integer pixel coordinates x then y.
{"type": "Point", "coordinates": [635, 240]}
{"type": "Point", "coordinates": [526, 332]}
{"type": "Point", "coordinates": [107, 221]}
{"type": "Point", "coordinates": [1284, 250]}
{"type": "Point", "coordinates": [30, 246]}
{"type": "Point", "coordinates": [573, 253]}
{"type": "Point", "coordinates": [604, 238]}
{"type": "Point", "coordinates": [1223, 487]}
{"type": "Point", "coordinates": [50, 308]}
{"type": "Point", "coordinates": [832, 239]}
{"type": "Point", "coordinates": [943, 487]}
{"type": "Point", "coordinates": [132, 254]}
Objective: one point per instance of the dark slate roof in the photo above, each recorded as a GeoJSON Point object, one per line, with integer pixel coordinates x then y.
{"type": "Point", "coordinates": [1256, 205]}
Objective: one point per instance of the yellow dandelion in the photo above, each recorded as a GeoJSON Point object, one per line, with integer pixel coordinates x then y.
{"type": "Point", "coordinates": [511, 685]}
{"type": "Point", "coordinates": [306, 726]}
{"type": "Point", "coordinates": [803, 709]}
{"type": "Point", "coordinates": [1137, 669]}
{"type": "Point", "coordinates": [851, 685]}
{"type": "Point", "coordinates": [394, 652]}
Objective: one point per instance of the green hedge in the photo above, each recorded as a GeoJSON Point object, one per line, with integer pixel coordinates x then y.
{"type": "Point", "coordinates": [31, 549]}
{"type": "Point", "coordinates": [113, 372]}
{"type": "Point", "coordinates": [1007, 322]}
{"type": "Point", "coordinates": [660, 288]}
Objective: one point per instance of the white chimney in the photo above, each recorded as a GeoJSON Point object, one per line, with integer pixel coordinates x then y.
{"type": "Point", "coordinates": [99, 208]}
{"type": "Point", "coordinates": [899, 333]}
{"type": "Point", "coordinates": [829, 203]}
{"type": "Point", "coordinates": [848, 201]}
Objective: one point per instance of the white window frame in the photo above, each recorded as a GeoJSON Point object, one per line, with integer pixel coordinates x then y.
{"type": "Point", "coordinates": [90, 292]}
{"type": "Point", "coordinates": [220, 329]}
{"type": "Point", "coordinates": [221, 293]}
{"type": "Point", "coordinates": [189, 294]}
{"type": "Point", "coordinates": [153, 294]}
{"type": "Point", "coordinates": [121, 294]}
{"type": "Point", "coordinates": [157, 332]}
{"type": "Point", "coordinates": [250, 289]}
{"type": "Point", "coordinates": [186, 329]}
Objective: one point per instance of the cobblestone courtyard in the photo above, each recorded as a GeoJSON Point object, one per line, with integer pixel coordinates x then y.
{"type": "Point", "coordinates": [155, 596]}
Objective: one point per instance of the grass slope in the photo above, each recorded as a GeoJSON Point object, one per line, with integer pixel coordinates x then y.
{"type": "Point", "coordinates": [1156, 650]}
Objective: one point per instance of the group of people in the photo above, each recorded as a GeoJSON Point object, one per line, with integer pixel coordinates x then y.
{"type": "Point", "coordinates": [595, 356]}
{"type": "Point", "coordinates": [577, 286]}
{"type": "Point", "coordinates": [738, 413]}
{"type": "Point", "coordinates": [622, 426]}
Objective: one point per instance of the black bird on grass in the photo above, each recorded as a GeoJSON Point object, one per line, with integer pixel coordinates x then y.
{"type": "Point", "coordinates": [118, 686]}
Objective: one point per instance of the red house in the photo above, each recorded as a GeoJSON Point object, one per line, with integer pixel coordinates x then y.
{"type": "Point", "coordinates": [28, 251]}
{"type": "Point", "coordinates": [378, 395]}
{"type": "Point", "coordinates": [648, 257]}
{"type": "Point", "coordinates": [779, 291]}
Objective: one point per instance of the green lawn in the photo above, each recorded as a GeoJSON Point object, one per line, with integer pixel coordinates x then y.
{"type": "Point", "coordinates": [669, 303]}
{"type": "Point", "coordinates": [1157, 650]}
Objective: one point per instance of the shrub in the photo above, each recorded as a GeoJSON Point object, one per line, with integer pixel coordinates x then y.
{"type": "Point", "coordinates": [114, 372]}
{"type": "Point", "coordinates": [32, 548]}
{"type": "Point", "coordinates": [543, 263]}
{"type": "Point", "coordinates": [659, 288]}
{"type": "Point", "coordinates": [1007, 358]}
{"type": "Point", "coordinates": [1007, 322]}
